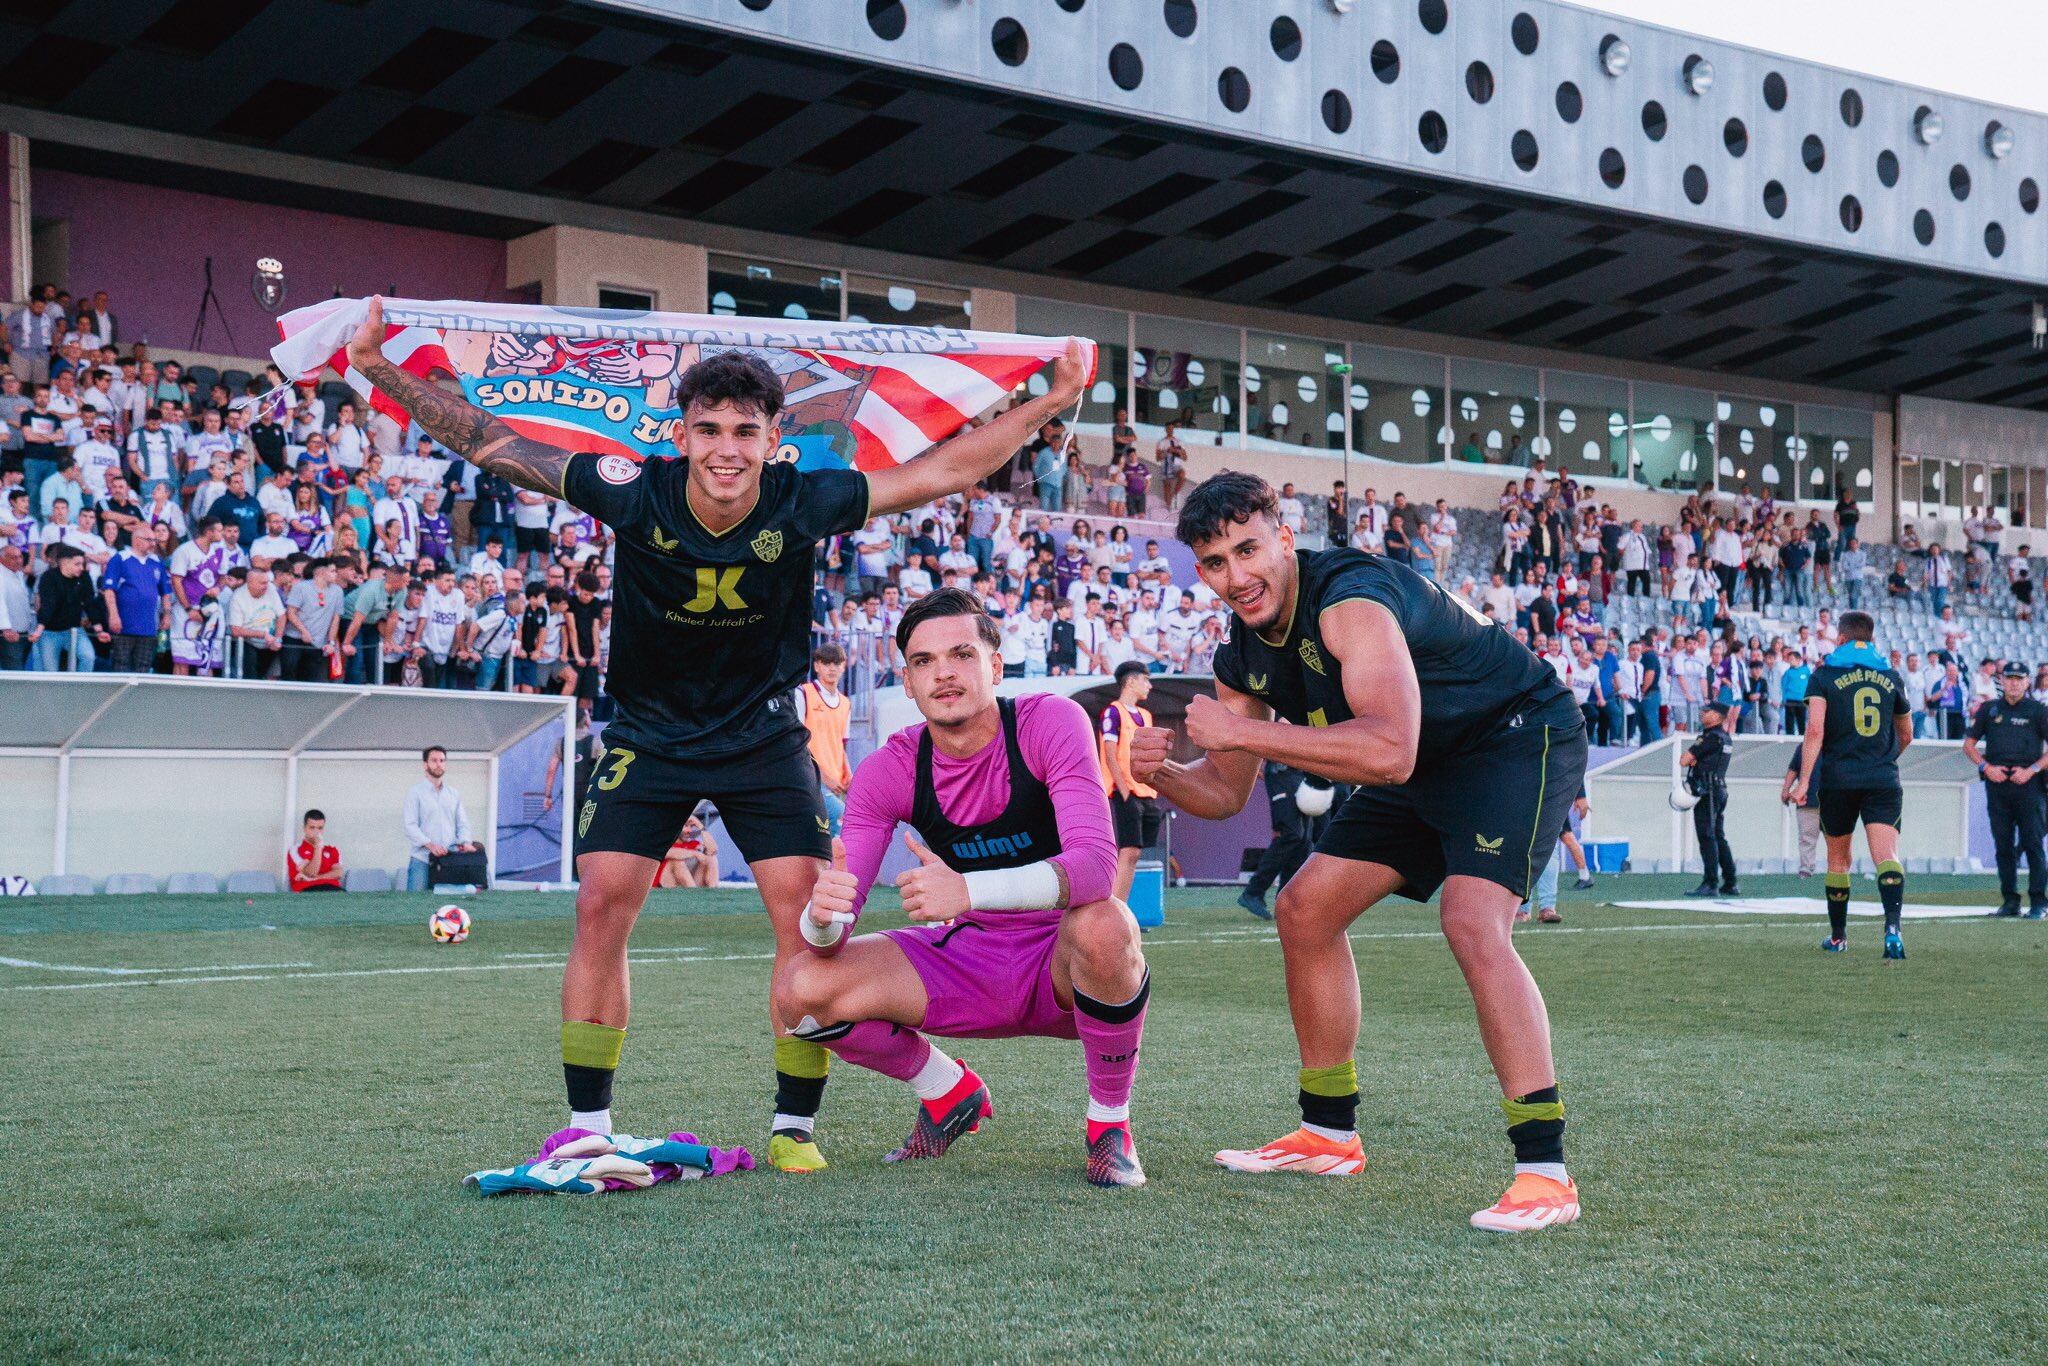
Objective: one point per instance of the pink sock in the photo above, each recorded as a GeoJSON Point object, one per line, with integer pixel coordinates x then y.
{"type": "Point", "coordinates": [879, 1046]}
{"type": "Point", "coordinates": [1109, 1044]}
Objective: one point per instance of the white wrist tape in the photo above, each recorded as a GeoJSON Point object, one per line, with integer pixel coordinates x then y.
{"type": "Point", "coordinates": [1034, 887]}
{"type": "Point", "coordinates": [824, 936]}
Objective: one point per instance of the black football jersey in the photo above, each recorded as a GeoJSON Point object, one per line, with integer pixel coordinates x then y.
{"type": "Point", "coordinates": [710, 632]}
{"type": "Point", "coordinates": [1859, 741]}
{"type": "Point", "coordinates": [1474, 675]}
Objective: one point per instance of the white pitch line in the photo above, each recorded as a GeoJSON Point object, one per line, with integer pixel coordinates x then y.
{"type": "Point", "coordinates": [766, 957]}
{"type": "Point", "coordinates": [142, 972]}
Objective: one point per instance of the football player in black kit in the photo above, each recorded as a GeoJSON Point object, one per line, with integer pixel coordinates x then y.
{"type": "Point", "coordinates": [1466, 751]}
{"type": "Point", "coordinates": [711, 635]}
{"type": "Point", "coordinates": [1858, 720]}
{"type": "Point", "coordinates": [2005, 741]}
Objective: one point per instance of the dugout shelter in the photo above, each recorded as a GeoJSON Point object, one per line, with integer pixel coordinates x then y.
{"type": "Point", "coordinates": [126, 773]}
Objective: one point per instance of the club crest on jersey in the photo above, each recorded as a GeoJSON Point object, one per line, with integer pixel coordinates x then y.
{"type": "Point", "coordinates": [583, 819]}
{"type": "Point", "coordinates": [617, 469]}
{"type": "Point", "coordinates": [1310, 655]}
{"type": "Point", "coordinates": [767, 545]}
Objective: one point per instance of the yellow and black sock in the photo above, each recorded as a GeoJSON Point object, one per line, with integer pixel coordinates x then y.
{"type": "Point", "coordinates": [1329, 1097]}
{"type": "Point", "coordinates": [1891, 890]}
{"type": "Point", "coordinates": [1536, 1126]}
{"type": "Point", "coordinates": [1838, 905]}
{"type": "Point", "coordinates": [590, 1056]}
{"type": "Point", "coordinates": [800, 1067]}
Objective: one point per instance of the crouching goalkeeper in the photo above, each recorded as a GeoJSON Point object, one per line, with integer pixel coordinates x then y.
{"type": "Point", "coordinates": [1014, 930]}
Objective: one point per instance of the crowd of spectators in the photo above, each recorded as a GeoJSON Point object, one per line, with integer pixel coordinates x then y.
{"type": "Point", "coordinates": [150, 520]}
{"type": "Point", "coordinates": [1566, 563]}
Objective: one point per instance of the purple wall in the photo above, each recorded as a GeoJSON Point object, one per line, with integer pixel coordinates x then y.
{"type": "Point", "coordinates": [147, 246]}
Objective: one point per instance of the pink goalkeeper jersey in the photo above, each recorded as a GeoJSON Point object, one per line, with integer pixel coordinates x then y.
{"type": "Point", "coordinates": [1058, 744]}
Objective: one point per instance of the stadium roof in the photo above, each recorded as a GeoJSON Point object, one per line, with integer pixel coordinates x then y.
{"type": "Point", "coordinates": [742, 113]}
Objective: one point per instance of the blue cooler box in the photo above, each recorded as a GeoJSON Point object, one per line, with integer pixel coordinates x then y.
{"type": "Point", "coordinates": [1607, 856]}
{"type": "Point", "coordinates": [1148, 893]}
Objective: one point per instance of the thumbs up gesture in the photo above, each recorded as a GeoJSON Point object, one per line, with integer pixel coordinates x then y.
{"type": "Point", "coordinates": [833, 897]}
{"type": "Point", "coordinates": [932, 892]}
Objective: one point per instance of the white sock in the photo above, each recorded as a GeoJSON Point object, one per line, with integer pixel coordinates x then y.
{"type": "Point", "coordinates": [1334, 1135]}
{"type": "Point", "coordinates": [1098, 1113]}
{"type": "Point", "coordinates": [800, 1123]}
{"type": "Point", "coordinates": [597, 1121]}
{"type": "Point", "coordinates": [1553, 1170]}
{"type": "Point", "coordinates": [939, 1075]}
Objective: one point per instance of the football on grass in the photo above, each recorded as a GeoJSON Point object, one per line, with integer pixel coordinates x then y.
{"type": "Point", "coordinates": [449, 924]}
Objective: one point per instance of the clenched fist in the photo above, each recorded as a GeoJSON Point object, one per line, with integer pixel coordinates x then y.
{"type": "Point", "coordinates": [1211, 726]}
{"type": "Point", "coordinates": [833, 897]}
{"type": "Point", "coordinates": [932, 892]}
{"type": "Point", "coordinates": [1151, 747]}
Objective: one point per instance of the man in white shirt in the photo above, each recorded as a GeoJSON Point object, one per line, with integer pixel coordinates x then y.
{"type": "Point", "coordinates": [395, 506]}
{"type": "Point", "coordinates": [1636, 559]}
{"type": "Point", "coordinates": [1155, 568]}
{"type": "Point", "coordinates": [1116, 647]}
{"type": "Point", "coordinates": [1499, 602]}
{"type": "Point", "coordinates": [1724, 552]}
{"type": "Point", "coordinates": [915, 581]}
{"type": "Point", "coordinates": [275, 495]}
{"type": "Point", "coordinates": [872, 545]}
{"type": "Point", "coordinates": [1628, 686]}
{"type": "Point", "coordinates": [97, 457]}
{"type": "Point", "coordinates": [435, 821]}
{"type": "Point", "coordinates": [1371, 525]}
{"type": "Point", "coordinates": [1091, 630]}
{"type": "Point", "coordinates": [1293, 515]}
{"type": "Point", "coordinates": [1178, 629]}
{"type": "Point", "coordinates": [1689, 684]}
{"type": "Point", "coordinates": [152, 451]}
{"type": "Point", "coordinates": [957, 557]}
{"type": "Point", "coordinates": [256, 619]}
{"type": "Point", "coordinates": [444, 619]}
{"type": "Point", "coordinates": [273, 545]}
{"type": "Point", "coordinates": [1029, 634]}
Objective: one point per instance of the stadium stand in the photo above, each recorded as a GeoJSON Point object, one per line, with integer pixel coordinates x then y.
{"type": "Point", "coordinates": [252, 882]}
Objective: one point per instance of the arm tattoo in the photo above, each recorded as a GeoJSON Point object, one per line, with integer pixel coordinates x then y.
{"type": "Point", "coordinates": [471, 432]}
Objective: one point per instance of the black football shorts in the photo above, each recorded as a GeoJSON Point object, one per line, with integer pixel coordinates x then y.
{"type": "Point", "coordinates": [768, 797]}
{"type": "Point", "coordinates": [1842, 807]}
{"type": "Point", "coordinates": [1136, 820]}
{"type": "Point", "coordinates": [1493, 812]}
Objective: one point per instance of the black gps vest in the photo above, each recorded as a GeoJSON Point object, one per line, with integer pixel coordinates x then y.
{"type": "Point", "coordinates": [1025, 832]}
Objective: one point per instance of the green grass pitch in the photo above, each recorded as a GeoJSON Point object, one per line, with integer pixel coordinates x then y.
{"type": "Point", "coordinates": [248, 1146]}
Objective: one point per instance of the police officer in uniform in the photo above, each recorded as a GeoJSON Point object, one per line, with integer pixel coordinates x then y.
{"type": "Point", "coordinates": [2006, 742]}
{"type": "Point", "coordinates": [1708, 780]}
{"type": "Point", "coordinates": [1301, 813]}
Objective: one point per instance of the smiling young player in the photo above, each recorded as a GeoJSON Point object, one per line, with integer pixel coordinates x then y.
{"type": "Point", "coordinates": [711, 636]}
{"type": "Point", "coordinates": [1467, 751]}
{"type": "Point", "coordinates": [1014, 929]}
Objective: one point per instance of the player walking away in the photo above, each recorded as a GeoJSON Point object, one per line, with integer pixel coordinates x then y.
{"type": "Point", "coordinates": [1467, 749]}
{"type": "Point", "coordinates": [1014, 930]}
{"type": "Point", "coordinates": [825, 712]}
{"type": "Point", "coordinates": [2006, 742]}
{"type": "Point", "coordinates": [1706, 765]}
{"type": "Point", "coordinates": [1133, 806]}
{"type": "Point", "coordinates": [1858, 722]}
{"type": "Point", "coordinates": [711, 619]}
